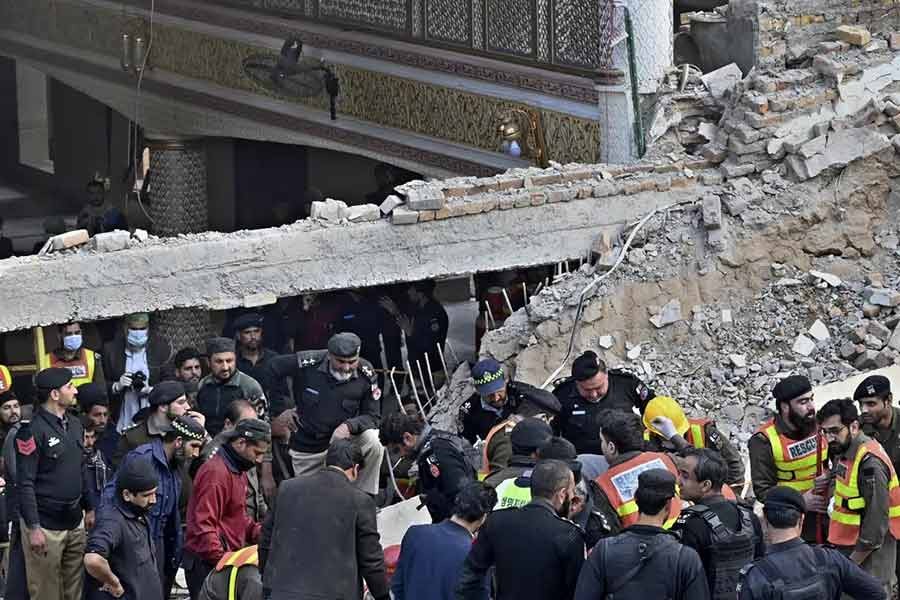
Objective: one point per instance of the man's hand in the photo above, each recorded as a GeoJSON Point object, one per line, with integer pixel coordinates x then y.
{"type": "Point", "coordinates": [114, 589]}
{"type": "Point", "coordinates": [90, 518]}
{"type": "Point", "coordinates": [389, 305]}
{"type": "Point", "coordinates": [37, 541]}
{"type": "Point", "coordinates": [405, 324]}
{"type": "Point", "coordinates": [823, 483]}
{"type": "Point", "coordinates": [815, 502]}
{"type": "Point", "coordinates": [197, 416]}
{"type": "Point", "coordinates": [122, 384]}
{"type": "Point", "coordinates": [665, 427]}
{"type": "Point", "coordinates": [285, 424]}
{"type": "Point", "coordinates": [267, 482]}
{"type": "Point", "coordinates": [341, 433]}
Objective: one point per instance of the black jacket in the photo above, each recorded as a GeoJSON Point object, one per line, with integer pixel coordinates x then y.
{"type": "Point", "coordinates": [159, 352]}
{"type": "Point", "coordinates": [443, 471]}
{"type": "Point", "coordinates": [537, 555]}
{"type": "Point", "coordinates": [641, 563]}
{"type": "Point", "coordinates": [326, 536]}
{"type": "Point", "coordinates": [50, 471]}
{"type": "Point", "coordinates": [577, 419]}
{"type": "Point", "coordinates": [477, 421]}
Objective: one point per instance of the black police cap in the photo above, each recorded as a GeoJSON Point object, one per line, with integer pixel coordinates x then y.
{"type": "Point", "coordinates": [165, 392]}
{"type": "Point", "coordinates": [217, 345]}
{"type": "Point", "coordinates": [344, 345]}
{"type": "Point", "coordinates": [871, 386]}
{"type": "Point", "coordinates": [52, 378]}
{"type": "Point", "coordinates": [530, 433]}
{"type": "Point", "coordinates": [791, 387]}
{"type": "Point", "coordinates": [586, 366]}
{"type": "Point", "coordinates": [92, 394]}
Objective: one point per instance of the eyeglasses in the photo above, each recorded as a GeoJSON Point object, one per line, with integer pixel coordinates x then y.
{"type": "Point", "coordinates": [833, 431]}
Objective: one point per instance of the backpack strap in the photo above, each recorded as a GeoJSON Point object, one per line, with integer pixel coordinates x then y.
{"type": "Point", "coordinates": [647, 553]}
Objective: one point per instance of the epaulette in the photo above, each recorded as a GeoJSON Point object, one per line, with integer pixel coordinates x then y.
{"type": "Point", "coordinates": [130, 427]}
{"type": "Point", "coordinates": [366, 369]}
{"type": "Point", "coordinates": [465, 407]}
{"type": "Point", "coordinates": [623, 372]}
{"type": "Point", "coordinates": [560, 381]}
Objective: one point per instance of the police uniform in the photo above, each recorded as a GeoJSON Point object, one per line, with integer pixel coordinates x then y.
{"type": "Point", "coordinates": [326, 403]}
{"type": "Point", "coordinates": [443, 470]}
{"type": "Point", "coordinates": [259, 370]}
{"type": "Point", "coordinates": [477, 420]}
{"type": "Point", "coordinates": [49, 473]}
{"type": "Point", "coordinates": [794, 570]}
{"type": "Point", "coordinates": [577, 419]}
{"type": "Point", "coordinates": [536, 555]}
{"type": "Point", "coordinates": [726, 536]}
{"type": "Point", "coordinates": [782, 457]}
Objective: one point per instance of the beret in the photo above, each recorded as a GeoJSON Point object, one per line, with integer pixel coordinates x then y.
{"type": "Point", "coordinates": [487, 374]}
{"type": "Point", "coordinates": [340, 454]}
{"type": "Point", "coordinates": [219, 344]}
{"type": "Point", "coordinates": [586, 366]}
{"type": "Point", "coordinates": [189, 428]}
{"type": "Point", "coordinates": [344, 345]}
{"type": "Point", "coordinates": [52, 378]}
{"type": "Point", "coordinates": [165, 392]}
{"type": "Point", "coordinates": [530, 433]}
{"type": "Point", "coordinates": [791, 387]}
{"type": "Point", "coordinates": [873, 385]}
{"type": "Point", "coordinates": [247, 321]}
{"type": "Point", "coordinates": [137, 475]}
{"type": "Point", "coordinates": [659, 480]}
{"type": "Point", "coordinates": [92, 394]}
{"type": "Point", "coordinates": [785, 497]}
{"type": "Point", "coordinates": [255, 430]}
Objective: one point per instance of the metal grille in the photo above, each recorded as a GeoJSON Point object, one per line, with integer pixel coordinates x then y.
{"type": "Point", "coordinates": [576, 33]}
{"type": "Point", "coordinates": [511, 26]}
{"type": "Point", "coordinates": [383, 14]}
{"type": "Point", "coordinates": [177, 189]}
{"type": "Point", "coordinates": [478, 23]}
{"type": "Point", "coordinates": [184, 327]}
{"type": "Point", "coordinates": [449, 20]}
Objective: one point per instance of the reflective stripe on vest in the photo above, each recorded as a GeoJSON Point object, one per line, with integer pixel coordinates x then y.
{"type": "Point", "coordinates": [849, 504]}
{"type": "Point", "coordinates": [485, 462]}
{"type": "Point", "coordinates": [509, 494]}
{"type": "Point", "coordinates": [236, 560]}
{"type": "Point", "coordinates": [795, 460]}
{"type": "Point", "coordinates": [696, 433]}
{"type": "Point", "coordinates": [82, 367]}
{"type": "Point", "coordinates": [620, 482]}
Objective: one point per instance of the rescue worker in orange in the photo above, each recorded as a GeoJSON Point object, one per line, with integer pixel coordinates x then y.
{"type": "Point", "coordinates": [86, 365]}
{"type": "Point", "coordinates": [865, 517]}
{"type": "Point", "coordinates": [668, 429]}
{"type": "Point", "coordinates": [622, 443]}
{"type": "Point", "coordinates": [236, 577]}
{"type": "Point", "coordinates": [788, 451]}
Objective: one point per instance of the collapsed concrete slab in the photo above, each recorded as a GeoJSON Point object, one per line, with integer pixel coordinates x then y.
{"type": "Point", "coordinates": [218, 271]}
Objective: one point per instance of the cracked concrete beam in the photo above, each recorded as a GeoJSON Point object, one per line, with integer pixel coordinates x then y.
{"type": "Point", "coordinates": [217, 271]}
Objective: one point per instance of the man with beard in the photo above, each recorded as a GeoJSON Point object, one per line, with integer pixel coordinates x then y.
{"type": "Point", "coordinates": [86, 365]}
{"type": "Point", "coordinates": [225, 384]}
{"type": "Point", "coordinates": [167, 401]}
{"type": "Point", "coordinates": [180, 442]}
{"type": "Point", "coordinates": [880, 420]}
{"type": "Point", "coordinates": [188, 370]}
{"type": "Point", "coordinates": [119, 556]}
{"type": "Point", "coordinates": [536, 552]}
{"type": "Point", "coordinates": [10, 411]}
{"type": "Point", "coordinates": [788, 451]}
{"type": "Point", "coordinates": [95, 412]}
{"type": "Point", "coordinates": [253, 358]}
{"type": "Point", "coordinates": [865, 520]}
{"type": "Point", "coordinates": [217, 518]}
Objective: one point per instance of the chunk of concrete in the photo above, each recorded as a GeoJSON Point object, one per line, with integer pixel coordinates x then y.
{"type": "Point", "coordinates": [813, 147]}
{"type": "Point", "coordinates": [425, 198]}
{"type": "Point", "coordinates": [819, 331]}
{"type": "Point", "coordinates": [111, 241]}
{"type": "Point", "coordinates": [363, 212]}
{"type": "Point", "coordinates": [738, 361]}
{"type": "Point", "coordinates": [857, 36]}
{"type": "Point", "coordinates": [894, 342]}
{"type": "Point", "coordinates": [389, 204]}
{"type": "Point", "coordinates": [634, 353]}
{"type": "Point", "coordinates": [831, 280]}
{"type": "Point", "coordinates": [606, 341]}
{"type": "Point", "coordinates": [878, 330]}
{"type": "Point", "coordinates": [69, 239]}
{"type": "Point", "coordinates": [866, 360]}
{"type": "Point", "coordinates": [881, 296]}
{"type": "Point", "coordinates": [828, 67]}
{"type": "Point", "coordinates": [329, 210]}
{"type": "Point", "coordinates": [670, 313]}
{"type": "Point", "coordinates": [721, 80]}
{"type": "Point", "coordinates": [403, 216]}
{"type": "Point", "coordinates": [846, 146]}
{"type": "Point", "coordinates": [140, 235]}
{"type": "Point", "coordinates": [712, 211]}
{"type": "Point", "coordinates": [803, 345]}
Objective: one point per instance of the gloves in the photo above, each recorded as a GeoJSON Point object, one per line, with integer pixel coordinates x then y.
{"type": "Point", "coordinates": [665, 427]}
{"type": "Point", "coordinates": [123, 383]}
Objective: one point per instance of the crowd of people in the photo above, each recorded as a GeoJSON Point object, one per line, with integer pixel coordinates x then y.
{"type": "Point", "coordinates": [260, 473]}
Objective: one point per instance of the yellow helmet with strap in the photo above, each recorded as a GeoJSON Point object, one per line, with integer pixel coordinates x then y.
{"type": "Point", "coordinates": [664, 406]}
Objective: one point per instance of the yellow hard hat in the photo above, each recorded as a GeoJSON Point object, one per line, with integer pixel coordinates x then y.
{"type": "Point", "coordinates": [5, 380]}
{"type": "Point", "coordinates": [664, 406]}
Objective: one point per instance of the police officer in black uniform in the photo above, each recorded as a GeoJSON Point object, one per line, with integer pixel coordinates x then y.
{"type": "Point", "coordinates": [496, 400]}
{"type": "Point", "coordinates": [443, 467]}
{"type": "Point", "coordinates": [794, 570]}
{"type": "Point", "coordinates": [591, 389]}
{"type": "Point", "coordinates": [49, 473]}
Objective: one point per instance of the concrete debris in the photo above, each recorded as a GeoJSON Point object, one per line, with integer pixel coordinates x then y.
{"type": "Point", "coordinates": [329, 210]}
{"type": "Point", "coordinates": [803, 345]}
{"type": "Point", "coordinates": [140, 235]}
{"type": "Point", "coordinates": [843, 147]}
{"type": "Point", "coordinates": [738, 361]}
{"type": "Point", "coordinates": [881, 296]}
{"type": "Point", "coordinates": [425, 198]}
{"type": "Point", "coordinates": [879, 331]}
{"type": "Point", "coordinates": [69, 239]}
{"type": "Point", "coordinates": [721, 80]}
{"type": "Point", "coordinates": [363, 212]}
{"type": "Point", "coordinates": [819, 331]}
{"type": "Point", "coordinates": [389, 204]}
{"type": "Point", "coordinates": [669, 314]}
{"type": "Point", "coordinates": [712, 211]}
{"type": "Point", "coordinates": [403, 216]}
{"type": "Point", "coordinates": [857, 36]}
{"type": "Point", "coordinates": [111, 241]}
{"type": "Point", "coordinates": [828, 67]}
{"type": "Point", "coordinates": [634, 353]}
{"type": "Point", "coordinates": [831, 280]}
{"type": "Point", "coordinates": [606, 342]}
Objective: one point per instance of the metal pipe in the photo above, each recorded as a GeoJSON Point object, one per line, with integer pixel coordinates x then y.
{"type": "Point", "coordinates": [508, 303]}
{"type": "Point", "coordinates": [443, 363]}
{"type": "Point", "coordinates": [415, 392]}
{"type": "Point", "coordinates": [635, 100]}
{"type": "Point", "coordinates": [430, 374]}
{"type": "Point", "coordinates": [422, 378]}
{"type": "Point", "coordinates": [394, 389]}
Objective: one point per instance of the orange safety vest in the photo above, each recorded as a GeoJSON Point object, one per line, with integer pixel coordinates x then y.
{"type": "Point", "coordinates": [485, 461]}
{"type": "Point", "coordinates": [796, 461]}
{"type": "Point", "coordinates": [235, 560]}
{"type": "Point", "coordinates": [695, 435]}
{"type": "Point", "coordinates": [849, 504]}
{"type": "Point", "coordinates": [82, 367]}
{"type": "Point", "coordinates": [620, 482]}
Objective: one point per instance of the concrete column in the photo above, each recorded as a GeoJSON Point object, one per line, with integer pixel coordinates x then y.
{"type": "Point", "coordinates": [177, 203]}
{"type": "Point", "coordinates": [617, 143]}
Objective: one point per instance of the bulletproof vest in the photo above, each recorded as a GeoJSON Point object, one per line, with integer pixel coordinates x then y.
{"type": "Point", "coordinates": [812, 588]}
{"type": "Point", "coordinates": [650, 576]}
{"type": "Point", "coordinates": [729, 551]}
{"type": "Point", "coordinates": [472, 455]}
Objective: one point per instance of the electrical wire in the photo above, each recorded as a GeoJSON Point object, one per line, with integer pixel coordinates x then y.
{"type": "Point", "coordinates": [137, 156]}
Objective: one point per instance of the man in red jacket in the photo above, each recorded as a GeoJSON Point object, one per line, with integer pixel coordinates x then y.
{"type": "Point", "coordinates": [217, 520]}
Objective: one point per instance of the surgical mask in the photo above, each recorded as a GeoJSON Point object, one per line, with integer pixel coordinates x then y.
{"type": "Point", "coordinates": [137, 338]}
{"type": "Point", "coordinates": [72, 342]}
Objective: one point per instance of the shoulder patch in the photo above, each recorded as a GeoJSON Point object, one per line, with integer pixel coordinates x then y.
{"type": "Point", "coordinates": [25, 444]}
{"type": "Point", "coordinates": [713, 435]}
{"type": "Point", "coordinates": [466, 407]}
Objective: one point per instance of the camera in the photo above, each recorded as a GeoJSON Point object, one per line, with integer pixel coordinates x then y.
{"type": "Point", "coordinates": [138, 381]}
